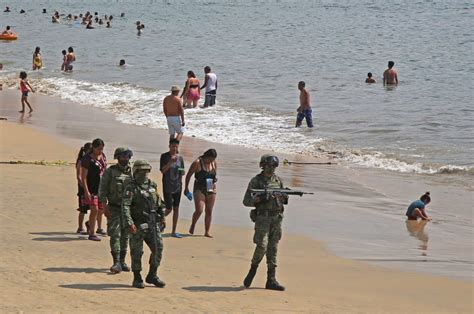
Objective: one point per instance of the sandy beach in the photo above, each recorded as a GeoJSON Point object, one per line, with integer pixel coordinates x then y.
{"type": "Point", "coordinates": [46, 267]}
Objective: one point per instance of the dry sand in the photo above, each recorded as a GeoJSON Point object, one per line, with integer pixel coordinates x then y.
{"type": "Point", "coordinates": [46, 267]}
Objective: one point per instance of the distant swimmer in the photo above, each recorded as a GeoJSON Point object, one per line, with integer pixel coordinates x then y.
{"type": "Point", "coordinates": [108, 25]}
{"type": "Point", "coordinates": [25, 87]}
{"type": "Point", "coordinates": [63, 65]}
{"type": "Point", "coordinates": [304, 110]}
{"type": "Point", "coordinates": [70, 58]}
{"type": "Point", "coordinates": [417, 208]}
{"type": "Point", "coordinates": [390, 76]}
{"type": "Point", "coordinates": [7, 31]}
{"type": "Point", "coordinates": [369, 78]}
{"type": "Point", "coordinates": [122, 63]}
{"type": "Point", "coordinates": [22, 11]}
{"type": "Point", "coordinates": [122, 14]}
{"type": "Point", "coordinates": [44, 11]}
{"type": "Point", "coordinates": [7, 9]}
{"type": "Point", "coordinates": [89, 25]}
{"type": "Point", "coordinates": [37, 59]}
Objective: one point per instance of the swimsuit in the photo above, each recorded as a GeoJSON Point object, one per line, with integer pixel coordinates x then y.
{"type": "Point", "coordinates": [174, 125]}
{"type": "Point", "coordinates": [200, 183]}
{"type": "Point", "coordinates": [193, 92]}
{"type": "Point", "coordinates": [24, 89]}
{"type": "Point", "coordinates": [306, 113]}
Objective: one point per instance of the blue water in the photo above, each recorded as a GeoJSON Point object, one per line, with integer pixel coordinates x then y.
{"type": "Point", "coordinates": [260, 50]}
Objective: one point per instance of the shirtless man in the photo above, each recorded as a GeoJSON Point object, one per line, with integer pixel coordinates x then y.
{"type": "Point", "coordinates": [174, 112]}
{"type": "Point", "coordinates": [304, 110]}
{"type": "Point", "coordinates": [390, 75]}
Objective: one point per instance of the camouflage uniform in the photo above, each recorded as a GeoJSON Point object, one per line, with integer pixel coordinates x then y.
{"type": "Point", "coordinates": [268, 217]}
{"type": "Point", "coordinates": [133, 206]}
{"type": "Point", "coordinates": [268, 220]}
{"type": "Point", "coordinates": [111, 190]}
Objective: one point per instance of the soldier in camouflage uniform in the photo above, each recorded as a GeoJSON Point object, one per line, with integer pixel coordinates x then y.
{"type": "Point", "coordinates": [138, 195]}
{"type": "Point", "coordinates": [111, 189]}
{"type": "Point", "coordinates": [268, 216]}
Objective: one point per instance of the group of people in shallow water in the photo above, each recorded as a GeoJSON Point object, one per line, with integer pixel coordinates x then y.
{"type": "Point", "coordinates": [86, 19]}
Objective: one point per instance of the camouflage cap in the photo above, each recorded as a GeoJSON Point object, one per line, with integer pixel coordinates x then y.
{"type": "Point", "coordinates": [122, 151]}
{"type": "Point", "coordinates": [269, 159]}
{"type": "Point", "coordinates": [141, 165]}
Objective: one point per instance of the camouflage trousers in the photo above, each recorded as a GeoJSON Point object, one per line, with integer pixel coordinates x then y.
{"type": "Point", "coordinates": [266, 237]}
{"type": "Point", "coordinates": [136, 249]}
{"type": "Point", "coordinates": [118, 235]}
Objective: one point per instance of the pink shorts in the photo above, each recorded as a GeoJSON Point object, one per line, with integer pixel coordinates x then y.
{"type": "Point", "coordinates": [193, 94]}
{"type": "Point", "coordinates": [94, 201]}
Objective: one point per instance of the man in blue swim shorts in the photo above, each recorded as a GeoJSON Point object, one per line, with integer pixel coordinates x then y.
{"type": "Point", "coordinates": [304, 110]}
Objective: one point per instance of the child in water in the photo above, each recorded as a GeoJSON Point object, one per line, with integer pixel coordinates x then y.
{"type": "Point", "coordinates": [417, 208]}
{"type": "Point", "coordinates": [24, 85]}
{"type": "Point", "coordinates": [63, 65]}
{"type": "Point", "coordinates": [369, 78]}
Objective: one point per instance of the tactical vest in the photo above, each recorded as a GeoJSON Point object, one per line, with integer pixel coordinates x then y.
{"type": "Point", "coordinates": [118, 182]}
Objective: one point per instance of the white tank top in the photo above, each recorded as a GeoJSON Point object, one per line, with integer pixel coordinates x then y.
{"type": "Point", "coordinates": [211, 82]}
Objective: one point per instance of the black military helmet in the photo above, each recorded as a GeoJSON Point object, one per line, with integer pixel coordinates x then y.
{"type": "Point", "coordinates": [141, 165]}
{"type": "Point", "coordinates": [122, 151]}
{"type": "Point", "coordinates": [270, 160]}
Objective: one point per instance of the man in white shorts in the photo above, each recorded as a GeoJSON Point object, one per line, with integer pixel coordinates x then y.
{"type": "Point", "coordinates": [174, 112]}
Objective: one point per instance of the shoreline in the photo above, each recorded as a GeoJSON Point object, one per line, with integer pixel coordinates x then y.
{"type": "Point", "coordinates": [342, 194]}
{"type": "Point", "coordinates": [202, 274]}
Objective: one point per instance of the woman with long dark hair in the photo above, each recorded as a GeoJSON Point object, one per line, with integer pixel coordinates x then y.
{"type": "Point", "coordinates": [93, 166]}
{"type": "Point", "coordinates": [204, 169]}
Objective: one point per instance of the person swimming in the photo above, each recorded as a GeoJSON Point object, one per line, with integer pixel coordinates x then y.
{"type": "Point", "coordinates": [417, 208]}
{"type": "Point", "coordinates": [122, 63]}
{"type": "Point", "coordinates": [369, 78]}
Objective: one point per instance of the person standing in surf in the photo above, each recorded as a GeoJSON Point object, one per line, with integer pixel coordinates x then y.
{"type": "Point", "coordinates": [304, 110]}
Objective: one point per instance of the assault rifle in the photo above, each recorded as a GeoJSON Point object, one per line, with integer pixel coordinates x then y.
{"type": "Point", "coordinates": [267, 192]}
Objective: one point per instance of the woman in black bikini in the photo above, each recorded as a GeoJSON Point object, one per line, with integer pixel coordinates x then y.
{"type": "Point", "coordinates": [204, 169]}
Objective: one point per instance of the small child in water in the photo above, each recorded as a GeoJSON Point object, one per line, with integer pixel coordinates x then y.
{"type": "Point", "coordinates": [122, 62]}
{"type": "Point", "coordinates": [417, 208]}
{"type": "Point", "coordinates": [24, 85]}
{"type": "Point", "coordinates": [369, 78]}
{"type": "Point", "coordinates": [63, 65]}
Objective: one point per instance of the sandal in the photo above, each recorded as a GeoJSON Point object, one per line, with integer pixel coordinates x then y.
{"type": "Point", "coordinates": [94, 238]}
{"type": "Point", "coordinates": [102, 232]}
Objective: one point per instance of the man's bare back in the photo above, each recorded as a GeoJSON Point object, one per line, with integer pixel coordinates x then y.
{"type": "Point", "coordinates": [305, 99]}
{"type": "Point", "coordinates": [172, 106]}
{"type": "Point", "coordinates": [390, 75]}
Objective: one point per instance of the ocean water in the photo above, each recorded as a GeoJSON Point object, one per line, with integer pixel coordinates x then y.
{"type": "Point", "coordinates": [260, 50]}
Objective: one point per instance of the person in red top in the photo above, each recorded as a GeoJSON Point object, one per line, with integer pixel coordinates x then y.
{"type": "Point", "coordinates": [25, 87]}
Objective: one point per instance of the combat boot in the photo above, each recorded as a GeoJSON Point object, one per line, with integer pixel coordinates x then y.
{"type": "Point", "coordinates": [137, 280]}
{"type": "Point", "coordinates": [122, 261]}
{"type": "Point", "coordinates": [248, 280]}
{"type": "Point", "coordinates": [152, 278]}
{"type": "Point", "coordinates": [116, 268]}
{"type": "Point", "coordinates": [272, 283]}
